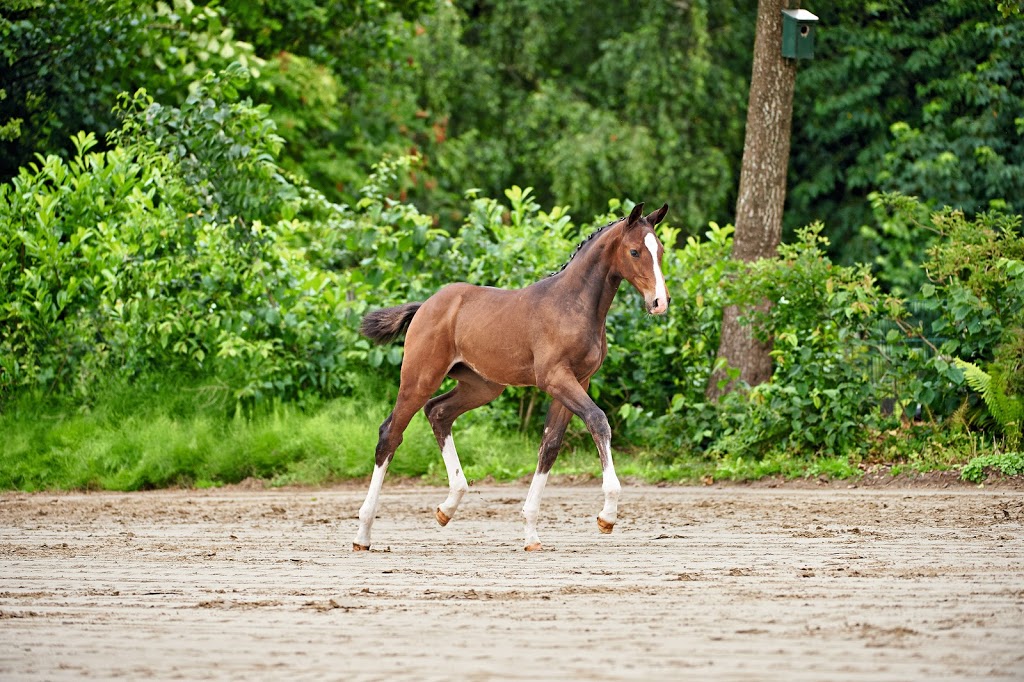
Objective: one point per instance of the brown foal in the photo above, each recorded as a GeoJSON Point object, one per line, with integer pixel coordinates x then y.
{"type": "Point", "coordinates": [550, 334]}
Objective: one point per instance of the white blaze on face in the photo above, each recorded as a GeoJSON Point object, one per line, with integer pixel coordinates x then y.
{"type": "Point", "coordinates": [660, 293]}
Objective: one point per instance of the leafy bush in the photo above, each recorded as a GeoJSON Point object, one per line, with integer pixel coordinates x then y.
{"type": "Point", "coordinates": [186, 250]}
{"type": "Point", "coordinates": [63, 250]}
{"type": "Point", "coordinates": [171, 252]}
{"type": "Point", "coordinates": [974, 299]}
{"type": "Point", "coordinates": [826, 325]}
{"type": "Point", "coordinates": [65, 64]}
{"type": "Point", "coordinates": [977, 281]}
{"type": "Point", "coordinates": [1006, 463]}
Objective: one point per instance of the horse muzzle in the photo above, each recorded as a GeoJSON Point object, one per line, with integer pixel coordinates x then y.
{"type": "Point", "coordinates": [658, 306]}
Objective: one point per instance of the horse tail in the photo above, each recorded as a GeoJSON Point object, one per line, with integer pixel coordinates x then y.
{"type": "Point", "coordinates": [384, 326]}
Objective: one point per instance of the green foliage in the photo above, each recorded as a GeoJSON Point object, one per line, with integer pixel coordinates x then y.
{"type": "Point", "coordinates": [11, 128]}
{"type": "Point", "coordinates": [305, 101]}
{"type": "Point", "coordinates": [338, 78]}
{"type": "Point", "coordinates": [977, 281]}
{"type": "Point", "coordinates": [66, 62]}
{"type": "Point", "coordinates": [1006, 463]}
{"type": "Point", "coordinates": [1009, 8]}
{"type": "Point", "coordinates": [780, 464]}
{"type": "Point", "coordinates": [1007, 410]}
{"type": "Point", "coordinates": [186, 250]}
{"type": "Point", "coordinates": [305, 27]}
{"type": "Point", "coordinates": [60, 251]}
{"type": "Point", "coordinates": [142, 258]}
{"type": "Point", "coordinates": [582, 102]}
{"type": "Point", "coordinates": [967, 297]}
{"type": "Point", "coordinates": [170, 432]}
{"type": "Point", "coordinates": [961, 149]}
{"type": "Point", "coordinates": [224, 148]}
{"type": "Point", "coordinates": [898, 241]}
{"type": "Point", "coordinates": [826, 325]}
{"type": "Point", "coordinates": [920, 98]}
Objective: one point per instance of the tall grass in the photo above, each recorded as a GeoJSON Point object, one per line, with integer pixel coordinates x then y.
{"type": "Point", "coordinates": [172, 431]}
{"type": "Point", "coordinates": [176, 433]}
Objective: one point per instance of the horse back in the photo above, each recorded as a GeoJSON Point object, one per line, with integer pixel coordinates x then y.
{"type": "Point", "coordinates": [504, 335]}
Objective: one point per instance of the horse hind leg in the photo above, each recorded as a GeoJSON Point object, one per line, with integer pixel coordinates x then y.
{"type": "Point", "coordinates": [412, 394]}
{"type": "Point", "coordinates": [458, 486]}
{"type": "Point", "coordinates": [471, 392]}
{"type": "Point", "coordinates": [387, 443]}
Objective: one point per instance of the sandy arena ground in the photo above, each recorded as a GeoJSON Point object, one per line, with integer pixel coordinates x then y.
{"type": "Point", "coordinates": [695, 583]}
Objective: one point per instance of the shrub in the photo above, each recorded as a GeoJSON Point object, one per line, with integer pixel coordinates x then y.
{"type": "Point", "coordinates": [826, 326]}
{"type": "Point", "coordinates": [974, 304]}
{"type": "Point", "coordinates": [186, 250]}
{"type": "Point", "coordinates": [174, 251]}
{"type": "Point", "coordinates": [1006, 463]}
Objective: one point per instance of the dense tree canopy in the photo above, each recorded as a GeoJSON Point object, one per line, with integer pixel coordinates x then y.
{"type": "Point", "coordinates": [582, 100]}
{"type": "Point", "coordinates": [926, 99]}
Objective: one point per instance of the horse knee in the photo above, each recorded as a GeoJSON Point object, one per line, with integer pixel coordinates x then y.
{"type": "Point", "coordinates": [385, 452]}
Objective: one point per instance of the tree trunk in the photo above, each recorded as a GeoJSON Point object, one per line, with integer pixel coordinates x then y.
{"type": "Point", "coordinates": [762, 192]}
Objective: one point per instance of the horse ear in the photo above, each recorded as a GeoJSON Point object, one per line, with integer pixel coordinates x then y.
{"type": "Point", "coordinates": [657, 216]}
{"type": "Point", "coordinates": [638, 211]}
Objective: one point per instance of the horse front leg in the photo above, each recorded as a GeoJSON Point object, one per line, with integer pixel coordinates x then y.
{"type": "Point", "coordinates": [564, 388]}
{"type": "Point", "coordinates": [387, 443]}
{"type": "Point", "coordinates": [550, 444]}
{"type": "Point", "coordinates": [611, 487]}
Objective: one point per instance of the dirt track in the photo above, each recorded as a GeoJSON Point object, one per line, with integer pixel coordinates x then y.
{"type": "Point", "coordinates": [720, 583]}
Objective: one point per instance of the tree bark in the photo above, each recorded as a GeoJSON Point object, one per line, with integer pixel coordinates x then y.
{"type": "Point", "coordinates": [762, 192]}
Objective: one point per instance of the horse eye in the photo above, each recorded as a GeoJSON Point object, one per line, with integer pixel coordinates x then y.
{"type": "Point", "coordinates": [634, 253]}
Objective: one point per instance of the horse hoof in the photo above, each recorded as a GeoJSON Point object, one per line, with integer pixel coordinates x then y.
{"type": "Point", "coordinates": [534, 547]}
{"type": "Point", "coordinates": [442, 518]}
{"type": "Point", "coordinates": [356, 547]}
{"type": "Point", "coordinates": [604, 526]}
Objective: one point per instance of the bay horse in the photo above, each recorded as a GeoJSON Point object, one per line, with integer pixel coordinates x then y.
{"type": "Point", "coordinates": [550, 334]}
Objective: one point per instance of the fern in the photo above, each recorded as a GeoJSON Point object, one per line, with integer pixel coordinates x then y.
{"type": "Point", "coordinates": [1007, 410]}
{"type": "Point", "coordinates": [959, 415]}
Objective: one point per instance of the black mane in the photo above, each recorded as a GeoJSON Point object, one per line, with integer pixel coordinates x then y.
{"type": "Point", "coordinates": [583, 243]}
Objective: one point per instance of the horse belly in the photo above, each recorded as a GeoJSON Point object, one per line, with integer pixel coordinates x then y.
{"type": "Point", "coordinates": [495, 341]}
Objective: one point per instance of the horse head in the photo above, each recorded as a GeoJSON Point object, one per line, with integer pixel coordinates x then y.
{"type": "Point", "coordinates": [637, 259]}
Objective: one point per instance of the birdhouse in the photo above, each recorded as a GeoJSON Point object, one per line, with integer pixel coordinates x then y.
{"type": "Point", "coordinates": [798, 33]}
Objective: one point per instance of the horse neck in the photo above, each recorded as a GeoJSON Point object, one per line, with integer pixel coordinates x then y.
{"type": "Point", "coordinates": [589, 277]}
